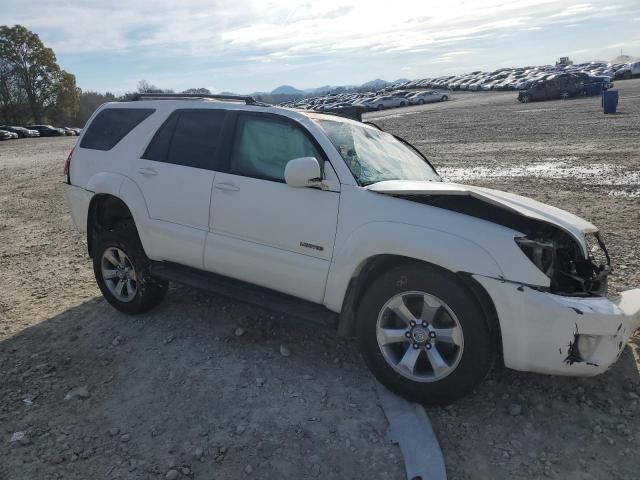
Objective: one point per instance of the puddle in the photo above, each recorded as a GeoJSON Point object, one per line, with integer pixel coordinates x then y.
{"type": "Point", "coordinates": [625, 193]}
{"type": "Point", "coordinates": [566, 168]}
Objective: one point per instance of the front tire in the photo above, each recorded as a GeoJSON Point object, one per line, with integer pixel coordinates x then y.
{"type": "Point", "coordinates": [121, 269]}
{"type": "Point", "coordinates": [424, 335]}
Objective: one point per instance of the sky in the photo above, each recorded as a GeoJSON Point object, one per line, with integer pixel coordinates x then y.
{"type": "Point", "coordinates": [247, 46]}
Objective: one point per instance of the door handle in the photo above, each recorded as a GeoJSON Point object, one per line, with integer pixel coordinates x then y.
{"type": "Point", "coordinates": [148, 171]}
{"type": "Point", "coordinates": [230, 187]}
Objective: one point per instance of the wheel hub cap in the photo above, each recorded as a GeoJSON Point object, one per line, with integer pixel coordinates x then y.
{"type": "Point", "coordinates": [420, 335]}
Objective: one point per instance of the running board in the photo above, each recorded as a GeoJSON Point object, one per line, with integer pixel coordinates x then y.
{"type": "Point", "coordinates": [245, 292]}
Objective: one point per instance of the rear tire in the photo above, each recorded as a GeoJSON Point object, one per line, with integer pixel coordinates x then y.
{"type": "Point", "coordinates": [121, 269]}
{"type": "Point", "coordinates": [441, 358]}
{"type": "Point", "coordinates": [444, 98]}
{"type": "Point", "coordinates": [380, 107]}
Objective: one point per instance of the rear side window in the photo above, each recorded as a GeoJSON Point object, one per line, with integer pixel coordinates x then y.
{"type": "Point", "coordinates": [189, 138]}
{"type": "Point", "coordinates": [112, 125]}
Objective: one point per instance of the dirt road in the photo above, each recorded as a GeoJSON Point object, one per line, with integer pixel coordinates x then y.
{"type": "Point", "coordinates": [199, 388]}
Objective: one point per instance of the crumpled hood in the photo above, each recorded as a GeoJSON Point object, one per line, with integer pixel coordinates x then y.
{"type": "Point", "coordinates": [570, 223]}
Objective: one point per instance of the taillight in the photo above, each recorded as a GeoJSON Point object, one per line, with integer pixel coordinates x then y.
{"type": "Point", "coordinates": [67, 167]}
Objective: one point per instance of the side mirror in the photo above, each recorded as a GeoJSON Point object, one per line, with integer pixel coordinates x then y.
{"type": "Point", "coordinates": [303, 172]}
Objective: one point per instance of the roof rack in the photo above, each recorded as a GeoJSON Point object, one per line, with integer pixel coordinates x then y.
{"type": "Point", "coordinates": [172, 96]}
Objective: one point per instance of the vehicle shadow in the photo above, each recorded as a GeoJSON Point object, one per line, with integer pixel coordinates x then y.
{"type": "Point", "coordinates": [182, 387]}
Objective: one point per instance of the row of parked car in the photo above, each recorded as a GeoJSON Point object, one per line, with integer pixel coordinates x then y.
{"type": "Point", "coordinates": [520, 78]}
{"type": "Point", "coordinates": [533, 83]}
{"type": "Point", "coordinates": [9, 132]}
{"type": "Point", "coordinates": [386, 98]}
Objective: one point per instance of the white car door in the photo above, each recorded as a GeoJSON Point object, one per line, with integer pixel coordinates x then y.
{"type": "Point", "coordinates": [262, 230]}
{"type": "Point", "coordinates": [175, 175]}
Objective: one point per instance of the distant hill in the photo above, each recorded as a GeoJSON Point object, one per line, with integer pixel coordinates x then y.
{"type": "Point", "coordinates": [376, 84]}
{"type": "Point", "coordinates": [285, 93]}
{"type": "Point", "coordinates": [287, 90]}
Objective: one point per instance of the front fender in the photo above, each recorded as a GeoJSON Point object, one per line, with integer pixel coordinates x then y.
{"type": "Point", "coordinates": [444, 249]}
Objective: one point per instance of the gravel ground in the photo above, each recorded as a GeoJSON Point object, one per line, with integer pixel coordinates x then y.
{"type": "Point", "coordinates": [206, 388]}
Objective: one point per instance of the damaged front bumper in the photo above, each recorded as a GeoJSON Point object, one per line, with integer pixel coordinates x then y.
{"type": "Point", "coordinates": [547, 333]}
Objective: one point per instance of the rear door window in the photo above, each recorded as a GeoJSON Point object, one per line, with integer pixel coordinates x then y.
{"type": "Point", "coordinates": [111, 125]}
{"type": "Point", "coordinates": [190, 138]}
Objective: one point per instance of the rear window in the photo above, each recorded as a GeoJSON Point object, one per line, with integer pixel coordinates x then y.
{"type": "Point", "coordinates": [112, 125]}
{"type": "Point", "coordinates": [189, 138]}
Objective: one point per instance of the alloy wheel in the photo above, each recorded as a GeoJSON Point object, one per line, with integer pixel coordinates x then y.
{"type": "Point", "coordinates": [118, 274]}
{"type": "Point", "coordinates": [419, 336]}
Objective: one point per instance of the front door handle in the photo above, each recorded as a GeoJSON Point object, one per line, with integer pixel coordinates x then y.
{"type": "Point", "coordinates": [230, 187]}
{"type": "Point", "coordinates": [148, 171]}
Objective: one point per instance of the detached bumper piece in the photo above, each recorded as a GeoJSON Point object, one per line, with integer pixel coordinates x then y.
{"type": "Point", "coordinates": [547, 333]}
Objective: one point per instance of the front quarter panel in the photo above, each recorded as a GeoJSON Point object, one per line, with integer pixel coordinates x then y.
{"type": "Point", "coordinates": [373, 224]}
{"type": "Point", "coordinates": [393, 238]}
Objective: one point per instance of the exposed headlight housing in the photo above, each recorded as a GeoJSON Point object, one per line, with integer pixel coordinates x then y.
{"type": "Point", "coordinates": [561, 259]}
{"type": "Point", "coordinates": [540, 252]}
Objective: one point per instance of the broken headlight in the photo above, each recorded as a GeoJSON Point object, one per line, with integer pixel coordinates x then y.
{"type": "Point", "coordinates": [562, 260]}
{"type": "Point", "coordinates": [540, 252]}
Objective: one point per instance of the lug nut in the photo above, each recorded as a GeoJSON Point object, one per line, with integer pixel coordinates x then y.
{"type": "Point", "coordinates": [428, 346]}
{"type": "Point", "coordinates": [432, 334]}
{"type": "Point", "coordinates": [424, 324]}
{"type": "Point", "coordinates": [412, 323]}
{"type": "Point", "coordinates": [407, 334]}
{"type": "Point", "coordinates": [416, 346]}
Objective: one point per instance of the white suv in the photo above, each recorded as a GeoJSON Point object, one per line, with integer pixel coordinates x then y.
{"type": "Point", "coordinates": [334, 220]}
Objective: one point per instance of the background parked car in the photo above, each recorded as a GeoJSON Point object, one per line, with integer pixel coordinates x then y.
{"type": "Point", "coordinates": [70, 131]}
{"type": "Point", "coordinates": [6, 135]}
{"type": "Point", "coordinates": [21, 131]}
{"type": "Point", "coordinates": [48, 130]}
{"type": "Point", "coordinates": [559, 86]}
{"type": "Point", "coordinates": [427, 97]}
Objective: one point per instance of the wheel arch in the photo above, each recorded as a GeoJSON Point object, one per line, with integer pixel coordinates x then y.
{"type": "Point", "coordinates": [373, 266]}
{"type": "Point", "coordinates": [105, 212]}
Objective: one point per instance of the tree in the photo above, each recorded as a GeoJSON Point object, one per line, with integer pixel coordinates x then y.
{"type": "Point", "coordinates": [89, 101]}
{"type": "Point", "coordinates": [146, 87]}
{"type": "Point", "coordinates": [67, 100]}
{"type": "Point", "coordinates": [32, 65]}
{"type": "Point", "coordinates": [199, 91]}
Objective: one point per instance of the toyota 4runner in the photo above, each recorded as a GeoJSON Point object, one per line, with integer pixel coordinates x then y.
{"type": "Point", "coordinates": [336, 221]}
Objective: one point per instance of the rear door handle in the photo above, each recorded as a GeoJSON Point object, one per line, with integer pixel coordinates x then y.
{"type": "Point", "coordinates": [148, 171]}
{"type": "Point", "coordinates": [230, 187]}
